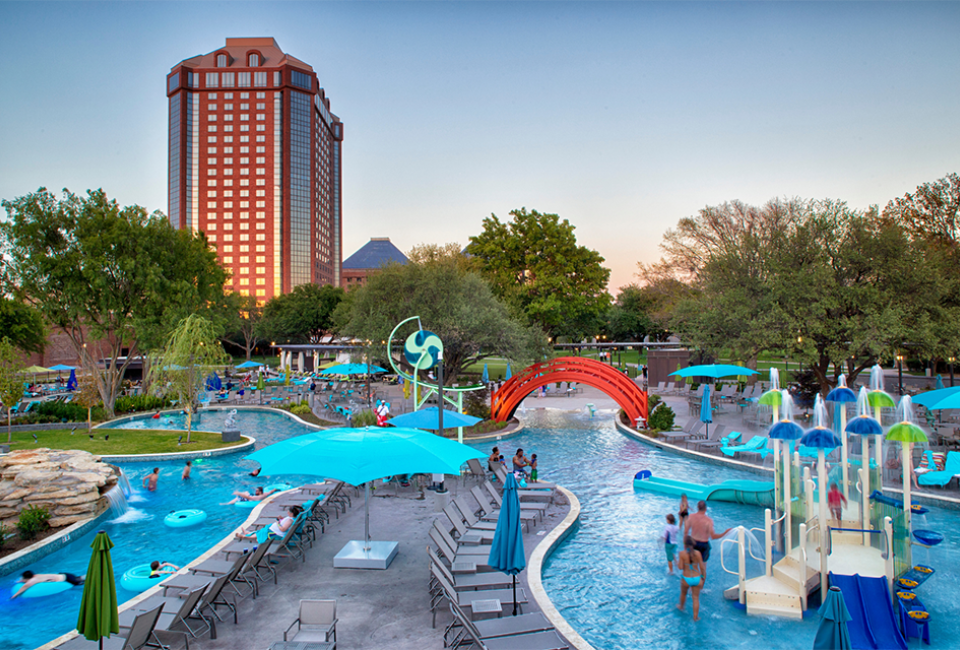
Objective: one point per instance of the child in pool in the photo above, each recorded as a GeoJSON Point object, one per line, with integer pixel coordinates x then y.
{"type": "Point", "coordinates": [157, 569]}
{"type": "Point", "coordinates": [533, 467]}
{"type": "Point", "coordinates": [834, 499]}
{"type": "Point", "coordinates": [693, 575]}
{"type": "Point", "coordinates": [670, 535]}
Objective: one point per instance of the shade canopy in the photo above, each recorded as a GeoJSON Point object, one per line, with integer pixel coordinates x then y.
{"type": "Point", "coordinates": [358, 455]}
{"type": "Point", "coordinates": [785, 430]}
{"type": "Point", "coordinates": [714, 370]}
{"type": "Point", "coordinates": [485, 377]}
{"type": "Point", "coordinates": [841, 394]}
{"type": "Point", "coordinates": [352, 369]}
{"type": "Point", "coordinates": [98, 616]}
{"type": "Point", "coordinates": [936, 400]}
{"type": "Point", "coordinates": [833, 633]}
{"type": "Point", "coordinates": [248, 364]}
{"type": "Point", "coordinates": [328, 364]}
{"type": "Point", "coordinates": [820, 438]}
{"type": "Point", "coordinates": [62, 368]}
{"type": "Point", "coordinates": [429, 418]}
{"type": "Point", "coordinates": [35, 369]}
{"type": "Point", "coordinates": [906, 432]}
{"type": "Point", "coordinates": [863, 425]}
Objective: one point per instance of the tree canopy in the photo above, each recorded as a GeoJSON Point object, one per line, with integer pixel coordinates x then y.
{"type": "Point", "coordinates": [22, 324]}
{"type": "Point", "coordinates": [932, 212]}
{"type": "Point", "coordinates": [454, 303]}
{"type": "Point", "coordinates": [633, 315]}
{"type": "Point", "coordinates": [533, 263]}
{"type": "Point", "coordinates": [301, 316]}
{"type": "Point", "coordinates": [112, 279]}
{"type": "Point", "coordinates": [11, 381]}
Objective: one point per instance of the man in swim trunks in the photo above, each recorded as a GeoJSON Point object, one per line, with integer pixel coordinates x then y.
{"type": "Point", "coordinates": [258, 495]}
{"type": "Point", "coordinates": [520, 462]}
{"type": "Point", "coordinates": [700, 528]}
{"type": "Point", "coordinates": [29, 579]}
{"type": "Point", "coordinates": [150, 480]}
{"type": "Point", "coordinates": [693, 573]}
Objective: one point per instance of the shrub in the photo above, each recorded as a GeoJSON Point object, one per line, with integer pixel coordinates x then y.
{"type": "Point", "coordinates": [63, 412]}
{"type": "Point", "coordinates": [33, 520]}
{"type": "Point", "coordinates": [477, 404]}
{"type": "Point", "coordinates": [363, 419]}
{"type": "Point", "coordinates": [300, 409]}
{"type": "Point", "coordinates": [652, 401]}
{"type": "Point", "coordinates": [139, 403]}
{"type": "Point", "coordinates": [661, 418]}
{"type": "Point", "coordinates": [4, 531]}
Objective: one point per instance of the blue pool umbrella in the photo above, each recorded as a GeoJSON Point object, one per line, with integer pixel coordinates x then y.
{"type": "Point", "coordinates": [248, 364]}
{"type": "Point", "coordinates": [485, 378]}
{"type": "Point", "coordinates": [352, 369]}
{"type": "Point", "coordinates": [213, 382]}
{"type": "Point", "coordinates": [506, 552]}
{"type": "Point", "coordinates": [356, 456]}
{"type": "Point", "coordinates": [864, 425]}
{"type": "Point", "coordinates": [509, 374]}
{"type": "Point", "coordinates": [931, 399]}
{"type": "Point", "coordinates": [833, 633]}
{"type": "Point", "coordinates": [72, 380]}
{"type": "Point", "coordinates": [62, 368]}
{"type": "Point", "coordinates": [429, 418]}
{"type": "Point", "coordinates": [706, 413]}
{"type": "Point", "coordinates": [939, 385]}
{"type": "Point", "coordinates": [820, 438]}
{"type": "Point", "coordinates": [714, 370]}
{"type": "Point", "coordinates": [785, 430]}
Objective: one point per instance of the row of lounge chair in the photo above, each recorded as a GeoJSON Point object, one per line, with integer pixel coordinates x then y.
{"type": "Point", "coordinates": [461, 579]}
{"type": "Point", "coordinates": [190, 604]}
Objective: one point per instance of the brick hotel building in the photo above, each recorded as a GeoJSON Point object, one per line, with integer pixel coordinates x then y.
{"type": "Point", "coordinates": [255, 164]}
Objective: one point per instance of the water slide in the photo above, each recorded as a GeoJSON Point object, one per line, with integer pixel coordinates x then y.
{"type": "Point", "coordinates": [758, 493]}
{"type": "Point", "coordinates": [874, 626]}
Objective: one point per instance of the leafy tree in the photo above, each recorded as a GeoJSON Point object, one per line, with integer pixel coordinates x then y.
{"type": "Point", "coordinates": [11, 381]}
{"type": "Point", "coordinates": [301, 316]}
{"type": "Point", "coordinates": [631, 318]}
{"type": "Point", "coordinates": [112, 279]}
{"type": "Point", "coordinates": [192, 349]}
{"type": "Point", "coordinates": [534, 264]}
{"type": "Point", "coordinates": [22, 324]}
{"type": "Point", "coordinates": [244, 323]}
{"type": "Point", "coordinates": [455, 304]}
{"type": "Point", "coordinates": [87, 396]}
{"type": "Point", "coordinates": [932, 212]}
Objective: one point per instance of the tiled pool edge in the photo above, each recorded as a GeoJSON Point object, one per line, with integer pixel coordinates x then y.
{"type": "Point", "coordinates": [34, 552]}
{"type": "Point", "coordinates": [534, 577]}
{"type": "Point", "coordinates": [254, 515]}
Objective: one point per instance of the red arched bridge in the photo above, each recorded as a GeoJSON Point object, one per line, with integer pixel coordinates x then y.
{"type": "Point", "coordinates": [582, 370]}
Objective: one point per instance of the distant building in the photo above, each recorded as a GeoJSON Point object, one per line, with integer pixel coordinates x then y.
{"type": "Point", "coordinates": [370, 258]}
{"type": "Point", "coordinates": [255, 163]}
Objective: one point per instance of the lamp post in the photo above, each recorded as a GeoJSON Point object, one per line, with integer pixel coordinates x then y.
{"type": "Point", "coordinates": [900, 373]}
{"type": "Point", "coordinates": [952, 359]}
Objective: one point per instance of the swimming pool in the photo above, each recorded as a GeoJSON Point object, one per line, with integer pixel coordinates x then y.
{"type": "Point", "coordinates": [139, 535]}
{"type": "Point", "coordinates": [609, 578]}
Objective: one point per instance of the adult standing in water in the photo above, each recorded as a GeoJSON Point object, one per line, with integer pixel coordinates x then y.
{"type": "Point", "coordinates": [693, 573]}
{"type": "Point", "coordinates": [700, 528]}
{"type": "Point", "coordinates": [150, 480]}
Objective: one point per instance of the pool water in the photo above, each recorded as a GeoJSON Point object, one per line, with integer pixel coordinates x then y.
{"type": "Point", "coordinates": [609, 579]}
{"type": "Point", "coordinates": [140, 535]}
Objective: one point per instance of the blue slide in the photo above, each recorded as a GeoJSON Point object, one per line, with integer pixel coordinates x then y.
{"type": "Point", "coordinates": [874, 626]}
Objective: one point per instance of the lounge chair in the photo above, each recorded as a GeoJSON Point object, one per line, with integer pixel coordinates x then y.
{"type": "Point", "coordinates": [470, 517]}
{"type": "Point", "coordinates": [489, 512]}
{"type": "Point", "coordinates": [951, 470]}
{"type": "Point", "coordinates": [459, 563]}
{"type": "Point", "coordinates": [468, 582]}
{"type": "Point", "coordinates": [756, 445]}
{"type": "Point", "coordinates": [465, 534]}
{"type": "Point", "coordinates": [140, 633]}
{"type": "Point", "coordinates": [463, 551]}
{"type": "Point", "coordinates": [679, 436]}
{"type": "Point", "coordinates": [255, 566]}
{"type": "Point", "coordinates": [233, 576]}
{"type": "Point", "coordinates": [213, 597]}
{"type": "Point", "coordinates": [495, 628]}
{"type": "Point", "coordinates": [501, 473]}
{"type": "Point", "coordinates": [316, 623]}
{"type": "Point", "coordinates": [534, 640]}
{"type": "Point", "coordinates": [465, 599]}
{"type": "Point", "coordinates": [189, 610]}
{"type": "Point", "coordinates": [528, 505]}
{"type": "Point", "coordinates": [713, 441]}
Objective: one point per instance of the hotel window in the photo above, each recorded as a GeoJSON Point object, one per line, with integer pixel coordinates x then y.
{"type": "Point", "coordinates": [211, 182]}
{"type": "Point", "coordinates": [261, 226]}
{"type": "Point", "coordinates": [227, 161]}
{"type": "Point", "coordinates": [253, 60]}
{"type": "Point", "coordinates": [261, 171]}
{"type": "Point", "coordinates": [261, 204]}
{"type": "Point", "coordinates": [213, 79]}
{"type": "Point", "coordinates": [211, 204]}
{"type": "Point", "coordinates": [261, 215]}
{"type": "Point", "coordinates": [261, 116]}
{"type": "Point", "coordinates": [228, 192]}
{"type": "Point", "coordinates": [228, 182]}
{"type": "Point", "coordinates": [261, 237]}
{"type": "Point", "coordinates": [211, 225]}
{"type": "Point", "coordinates": [211, 161]}
{"type": "Point", "coordinates": [212, 238]}
{"type": "Point", "coordinates": [260, 79]}
{"type": "Point", "coordinates": [244, 237]}
{"type": "Point", "coordinates": [227, 107]}
{"type": "Point", "coordinates": [211, 128]}
{"type": "Point", "coordinates": [244, 204]}
{"type": "Point", "coordinates": [261, 249]}
{"type": "Point", "coordinates": [228, 128]}
{"type": "Point", "coordinates": [228, 226]}
{"type": "Point", "coordinates": [211, 194]}
{"type": "Point", "coordinates": [244, 249]}
{"type": "Point", "coordinates": [244, 226]}
{"type": "Point", "coordinates": [227, 80]}
{"type": "Point", "coordinates": [212, 107]}
{"type": "Point", "coordinates": [227, 204]}
{"type": "Point", "coordinates": [211, 117]}
{"type": "Point", "coordinates": [227, 171]}
{"type": "Point", "coordinates": [244, 107]}
{"type": "Point", "coordinates": [260, 150]}
{"type": "Point", "coordinates": [228, 138]}
{"type": "Point", "coordinates": [261, 127]}
{"type": "Point", "coordinates": [228, 117]}
{"type": "Point", "coordinates": [261, 181]}
{"type": "Point", "coordinates": [244, 215]}
{"type": "Point", "coordinates": [261, 280]}
{"type": "Point", "coordinates": [244, 182]}
{"type": "Point", "coordinates": [261, 160]}
{"type": "Point", "coordinates": [244, 281]}
{"type": "Point", "coordinates": [261, 193]}
{"type": "Point", "coordinates": [261, 138]}
{"type": "Point", "coordinates": [244, 117]}
{"type": "Point", "coordinates": [261, 259]}
{"type": "Point", "coordinates": [211, 150]}
{"type": "Point", "coordinates": [228, 238]}
{"type": "Point", "coordinates": [228, 260]}
{"type": "Point", "coordinates": [261, 95]}
{"type": "Point", "coordinates": [244, 95]}
{"type": "Point", "coordinates": [227, 215]}
{"type": "Point", "coordinates": [244, 171]}
{"type": "Point", "coordinates": [244, 192]}
{"type": "Point", "coordinates": [212, 95]}
{"type": "Point", "coordinates": [244, 260]}
{"type": "Point", "coordinates": [221, 60]}
{"type": "Point", "coordinates": [261, 270]}
{"type": "Point", "coordinates": [276, 79]}
{"type": "Point", "coordinates": [261, 107]}
{"type": "Point", "coordinates": [262, 292]}
{"type": "Point", "coordinates": [246, 127]}
{"type": "Point", "coordinates": [228, 249]}
{"type": "Point", "coordinates": [228, 95]}
{"type": "Point", "coordinates": [211, 172]}
{"type": "Point", "coordinates": [243, 79]}
{"type": "Point", "coordinates": [244, 292]}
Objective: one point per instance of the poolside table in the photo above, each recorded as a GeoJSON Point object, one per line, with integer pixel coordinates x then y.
{"type": "Point", "coordinates": [299, 645]}
{"type": "Point", "coordinates": [488, 606]}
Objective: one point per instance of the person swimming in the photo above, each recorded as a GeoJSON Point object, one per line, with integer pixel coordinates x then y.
{"type": "Point", "coordinates": [30, 579]}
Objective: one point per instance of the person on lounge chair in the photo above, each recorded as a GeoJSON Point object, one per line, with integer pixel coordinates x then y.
{"type": "Point", "coordinates": [29, 579]}
{"type": "Point", "coordinates": [278, 528]}
{"type": "Point", "coordinates": [258, 495]}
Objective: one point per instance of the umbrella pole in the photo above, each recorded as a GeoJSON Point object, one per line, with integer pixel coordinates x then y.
{"type": "Point", "coordinates": [865, 487]}
{"type": "Point", "coordinates": [878, 452]}
{"type": "Point", "coordinates": [906, 462]}
{"type": "Point", "coordinates": [366, 515]}
{"type": "Point", "coordinates": [514, 594]}
{"type": "Point", "coordinates": [843, 448]}
{"type": "Point", "coordinates": [787, 515]}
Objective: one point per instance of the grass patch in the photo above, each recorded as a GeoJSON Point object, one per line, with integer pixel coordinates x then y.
{"type": "Point", "coordinates": [121, 442]}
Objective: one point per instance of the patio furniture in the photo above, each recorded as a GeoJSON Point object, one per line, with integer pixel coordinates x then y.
{"type": "Point", "coordinates": [317, 618]}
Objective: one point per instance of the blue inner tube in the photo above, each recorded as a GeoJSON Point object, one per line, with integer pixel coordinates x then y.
{"type": "Point", "coordinates": [184, 518]}
{"type": "Point", "coordinates": [245, 504]}
{"type": "Point", "coordinates": [42, 589]}
{"type": "Point", "coordinates": [280, 487]}
{"type": "Point", "coordinates": [138, 578]}
{"type": "Point", "coordinates": [928, 537]}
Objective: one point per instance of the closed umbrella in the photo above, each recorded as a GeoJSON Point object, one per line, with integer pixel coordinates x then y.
{"type": "Point", "coordinates": [939, 384]}
{"type": "Point", "coordinates": [429, 418]}
{"type": "Point", "coordinates": [506, 552]}
{"type": "Point", "coordinates": [360, 455]}
{"type": "Point", "coordinates": [260, 384]}
{"type": "Point", "coordinates": [485, 378]}
{"type": "Point", "coordinates": [300, 363]}
{"type": "Point", "coordinates": [833, 633]}
{"type": "Point", "coordinates": [509, 374]}
{"type": "Point", "coordinates": [706, 413]}
{"type": "Point", "coordinates": [72, 380]}
{"type": "Point", "coordinates": [98, 608]}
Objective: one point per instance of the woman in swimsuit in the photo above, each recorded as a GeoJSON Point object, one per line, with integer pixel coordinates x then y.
{"type": "Point", "coordinates": [684, 510]}
{"type": "Point", "coordinates": [693, 573]}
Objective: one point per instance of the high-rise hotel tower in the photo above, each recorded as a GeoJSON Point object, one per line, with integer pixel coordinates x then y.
{"type": "Point", "coordinates": [255, 164]}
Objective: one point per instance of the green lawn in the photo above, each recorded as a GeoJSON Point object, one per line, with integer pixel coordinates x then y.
{"type": "Point", "coordinates": [121, 442]}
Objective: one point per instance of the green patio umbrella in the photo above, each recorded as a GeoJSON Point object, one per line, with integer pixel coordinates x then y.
{"type": "Point", "coordinates": [260, 385]}
{"type": "Point", "coordinates": [98, 608]}
{"type": "Point", "coordinates": [833, 633]}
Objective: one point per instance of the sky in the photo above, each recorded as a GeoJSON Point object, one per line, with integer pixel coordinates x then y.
{"type": "Point", "coordinates": [621, 117]}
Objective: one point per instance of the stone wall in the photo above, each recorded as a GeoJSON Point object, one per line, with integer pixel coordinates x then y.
{"type": "Point", "coordinates": [70, 484]}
